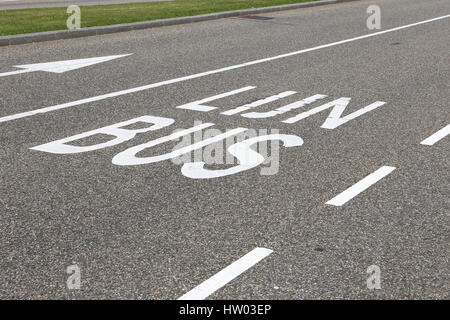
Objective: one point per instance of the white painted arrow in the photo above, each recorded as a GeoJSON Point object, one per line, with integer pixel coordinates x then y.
{"type": "Point", "coordinates": [61, 66]}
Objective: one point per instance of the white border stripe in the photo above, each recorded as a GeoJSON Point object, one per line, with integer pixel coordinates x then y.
{"type": "Point", "coordinates": [360, 186]}
{"type": "Point", "coordinates": [435, 137]}
{"type": "Point", "coordinates": [198, 75]}
{"type": "Point", "coordinates": [221, 278]}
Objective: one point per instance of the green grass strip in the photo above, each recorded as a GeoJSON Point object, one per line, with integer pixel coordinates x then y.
{"type": "Point", "coordinates": [49, 19]}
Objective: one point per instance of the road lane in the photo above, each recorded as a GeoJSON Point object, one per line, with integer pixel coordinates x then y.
{"type": "Point", "coordinates": [149, 232]}
{"type": "Point", "coordinates": [207, 73]}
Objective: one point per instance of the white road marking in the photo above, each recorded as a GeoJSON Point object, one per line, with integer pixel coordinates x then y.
{"type": "Point", "coordinates": [435, 137]}
{"type": "Point", "coordinates": [258, 103]}
{"type": "Point", "coordinates": [247, 158]}
{"type": "Point", "coordinates": [197, 105]}
{"type": "Point", "coordinates": [11, 73]}
{"type": "Point", "coordinates": [335, 118]}
{"type": "Point", "coordinates": [221, 278]}
{"type": "Point", "coordinates": [129, 158]}
{"type": "Point", "coordinates": [360, 186]}
{"type": "Point", "coordinates": [284, 109]}
{"type": "Point", "coordinates": [198, 75]}
{"type": "Point", "coordinates": [61, 66]}
{"type": "Point", "coordinates": [115, 130]}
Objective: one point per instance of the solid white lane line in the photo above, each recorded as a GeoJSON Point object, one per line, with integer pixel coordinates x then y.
{"type": "Point", "coordinates": [221, 278]}
{"type": "Point", "coordinates": [198, 75]}
{"type": "Point", "coordinates": [435, 137]}
{"type": "Point", "coordinates": [197, 105]}
{"type": "Point", "coordinates": [360, 186]}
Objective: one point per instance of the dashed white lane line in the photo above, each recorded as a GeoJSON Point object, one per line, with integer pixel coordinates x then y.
{"type": "Point", "coordinates": [360, 186]}
{"type": "Point", "coordinates": [435, 137]}
{"type": "Point", "coordinates": [203, 74]}
{"type": "Point", "coordinates": [221, 278]}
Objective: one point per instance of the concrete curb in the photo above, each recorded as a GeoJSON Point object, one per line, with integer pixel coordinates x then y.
{"type": "Point", "coordinates": [94, 31]}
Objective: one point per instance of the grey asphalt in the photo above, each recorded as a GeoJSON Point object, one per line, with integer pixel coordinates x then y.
{"type": "Point", "coordinates": [25, 4]}
{"type": "Point", "coordinates": [148, 232]}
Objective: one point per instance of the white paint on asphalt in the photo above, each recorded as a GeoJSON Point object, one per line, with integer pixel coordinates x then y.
{"type": "Point", "coordinates": [258, 103]}
{"type": "Point", "coordinates": [62, 66]}
{"type": "Point", "coordinates": [11, 73]}
{"type": "Point", "coordinates": [197, 105]}
{"type": "Point", "coordinates": [247, 158]}
{"type": "Point", "coordinates": [115, 130]}
{"type": "Point", "coordinates": [284, 109]}
{"type": "Point", "coordinates": [203, 74]}
{"type": "Point", "coordinates": [360, 186]}
{"type": "Point", "coordinates": [334, 119]}
{"type": "Point", "coordinates": [221, 278]}
{"type": "Point", "coordinates": [129, 158]}
{"type": "Point", "coordinates": [435, 137]}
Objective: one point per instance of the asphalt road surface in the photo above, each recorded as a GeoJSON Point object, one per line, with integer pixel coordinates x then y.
{"type": "Point", "coordinates": [367, 190]}
{"type": "Point", "coordinates": [24, 4]}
